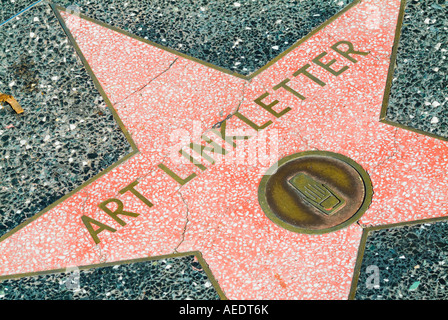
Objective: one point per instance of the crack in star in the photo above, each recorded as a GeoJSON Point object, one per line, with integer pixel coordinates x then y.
{"type": "Point", "coordinates": [186, 221]}
{"type": "Point", "coordinates": [215, 126]}
{"type": "Point", "coordinates": [148, 83]}
{"type": "Point", "coordinates": [232, 114]}
{"type": "Point", "coordinates": [102, 258]}
{"type": "Point", "coordinates": [84, 201]}
{"type": "Point", "coordinates": [362, 225]}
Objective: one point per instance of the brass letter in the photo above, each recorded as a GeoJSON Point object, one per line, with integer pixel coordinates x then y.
{"type": "Point", "coordinates": [175, 176]}
{"type": "Point", "coordinates": [119, 211]}
{"type": "Point", "coordinates": [304, 71]}
{"type": "Point", "coordinates": [252, 124]}
{"type": "Point", "coordinates": [327, 66]}
{"type": "Point", "coordinates": [289, 89]}
{"type": "Point", "coordinates": [270, 106]}
{"type": "Point", "coordinates": [228, 139]}
{"type": "Point", "coordinates": [349, 51]}
{"type": "Point", "coordinates": [94, 233]}
{"type": "Point", "coordinates": [131, 189]}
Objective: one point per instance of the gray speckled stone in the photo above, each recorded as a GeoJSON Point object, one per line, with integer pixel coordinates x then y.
{"type": "Point", "coordinates": [168, 279]}
{"type": "Point", "coordinates": [411, 261]}
{"type": "Point", "coordinates": [238, 35]}
{"type": "Point", "coordinates": [66, 135]}
{"type": "Point", "coordinates": [9, 8]}
{"type": "Point", "coordinates": [419, 93]}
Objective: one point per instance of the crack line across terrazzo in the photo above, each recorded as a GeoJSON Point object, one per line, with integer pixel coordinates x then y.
{"type": "Point", "coordinates": [184, 230]}
{"type": "Point", "coordinates": [149, 82]}
{"type": "Point", "coordinates": [362, 225]}
{"type": "Point", "coordinates": [232, 114]}
{"type": "Point", "coordinates": [215, 126]}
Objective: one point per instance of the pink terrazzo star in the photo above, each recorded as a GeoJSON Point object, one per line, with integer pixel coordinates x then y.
{"type": "Point", "coordinates": [217, 212]}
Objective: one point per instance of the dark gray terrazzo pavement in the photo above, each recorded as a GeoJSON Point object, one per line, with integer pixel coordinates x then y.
{"type": "Point", "coordinates": [10, 8]}
{"type": "Point", "coordinates": [419, 93]}
{"type": "Point", "coordinates": [238, 35]}
{"type": "Point", "coordinates": [167, 279]}
{"type": "Point", "coordinates": [411, 263]}
{"type": "Point", "coordinates": [66, 136]}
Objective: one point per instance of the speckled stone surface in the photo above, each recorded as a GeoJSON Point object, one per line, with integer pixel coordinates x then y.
{"type": "Point", "coordinates": [238, 35]}
{"type": "Point", "coordinates": [213, 207]}
{"type": "Point", "coordinates": [412, 263]}
{"type": "Point", "coordinates": [66, 134]}
{"type": "Point", "coordinates": [9, 8]}
{"type": "Point", "coordinates": [419, 93]}
{"type": "Point", "coordinates": [167, 279]}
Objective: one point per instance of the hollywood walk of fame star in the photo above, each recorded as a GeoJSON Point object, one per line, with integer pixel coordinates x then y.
{"type": "Point", "coordinates": [217, 212]}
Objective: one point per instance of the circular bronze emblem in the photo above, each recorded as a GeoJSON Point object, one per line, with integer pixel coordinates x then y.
{"type": "Point", "coordinates": [315, 192]}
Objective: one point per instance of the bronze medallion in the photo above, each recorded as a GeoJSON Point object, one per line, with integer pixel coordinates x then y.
{"type": "Point", "coordinates": [315, 192]}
